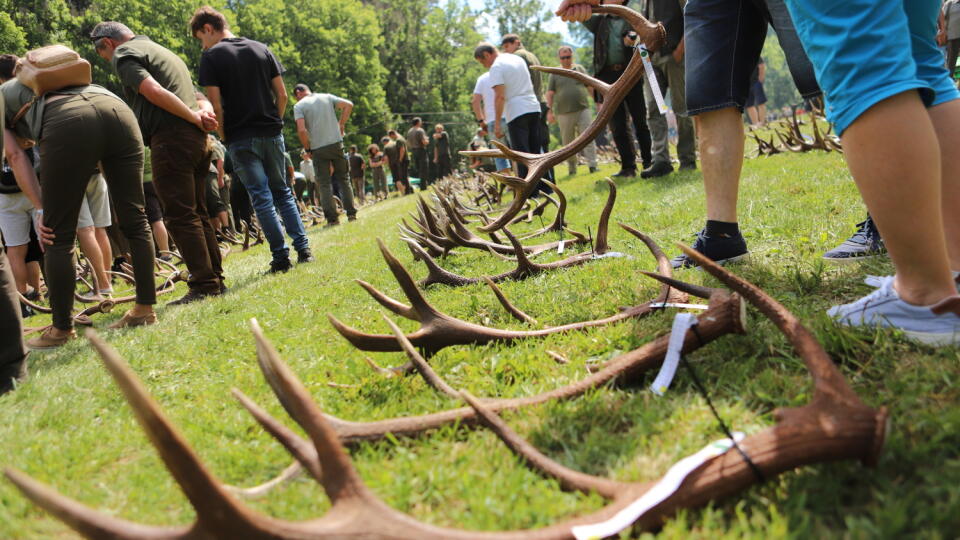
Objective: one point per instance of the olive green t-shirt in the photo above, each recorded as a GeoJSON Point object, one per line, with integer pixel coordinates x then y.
{"type": "Point", "coordinates": [393, 152]}
{"type": "Point", "coordinates": [140, 58]}
{"type": "Point", "coordinates": [570, 95]}
{"type": "Point", "coordinates": [535, 76]}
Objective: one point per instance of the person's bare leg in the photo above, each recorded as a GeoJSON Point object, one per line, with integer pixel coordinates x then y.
{"type": "Point", "coordinates": [721, 156]}
{"type": "Point", "coordinates": [899, 179]}
{"type": "Point", "coordinates": [752, 115]}
{"type": "Point", "coordinates": [106, 252]}
{"type": "Point", "coordinates": [946, 122]}
{"type": "Point", "coordinates": [17, 256]}
{"type": "Point", "coordinates": [160, 235]}
{"type": "Point", "coordinates": [33, 275]}
{"type": "Point", "coordinates": [91, 250]}
{"type": "Point", "coordinates": [762, 114]}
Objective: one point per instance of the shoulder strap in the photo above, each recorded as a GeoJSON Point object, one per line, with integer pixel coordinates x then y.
{"type": "Point", "coordinates": [23, 110]}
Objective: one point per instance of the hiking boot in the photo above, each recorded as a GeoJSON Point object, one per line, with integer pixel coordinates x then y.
{"type": "Point", "coordinates": [330, 224]}
{"type": "Point", "coordinates": [129, 321]}
{"type": "Point", "coordinates": [864, 244]}
{"type": "Point", "coordinates": [26, 311]}
{"type": "Point", "coordinates": [720, 249]}
{"type": "Point", "coordinates": [626, 173]}
{"type": "Point", "coordinates": [192, 296]}
{"type": "Point", "coordinates": [279, 265]}
{"type": "Point", "coordinates": [656, 170]}
{"type": "Point", "coordinates": [688, 166]}
{"type": "Point", "coordinates": [13, 378]}
{"type": "Point", "coordinates": [47, 340]}
{"type": "Point", "coordinates": [305, 256]}
{"type": "Point", "coordinates": [594, 169]}
{"type": "Point", "coordinates": [938, 324]}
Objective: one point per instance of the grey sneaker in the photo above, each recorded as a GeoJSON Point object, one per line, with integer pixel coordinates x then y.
{"type": "Point", "coordinates": [863, 244]}
{"type": "Point", "coordinates": [938, 324]}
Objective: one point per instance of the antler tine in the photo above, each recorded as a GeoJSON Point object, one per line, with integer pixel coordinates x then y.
{"type": "Point", "coordinates": [417, 301]}
{"type": "Point", "coordinates": [393, 305]}
{"type": "Point", "coordinates": [421, 365]}
{"type": "Point", "coordinates": [663, 265]}
{"type": "Point", "coordinates": [601, 246]}
{"type": "Point", "coordinates": [338, 476]}
{"type": "Point", "coordinates": [524, 265]}
{"type": "Point", "coordinates": [84, 519]}
{"type": "Point", "coordinates": [483, 153]}
{"type": "Point", "coordinates": [596, 84]}
{"type": "Point", "coordinates": [569, 479]}
{"type": "Point", "coordinates": [825, 374]}
{"type": "Point", "coordinates": [689, 288]}
{"type": "Point", "coordinates": [514, 183]}
{"type": "Point", "coordinates": [507, 305]}
{"type": "Point", "coordinates": [436, 273]}
{"type": "Point", "coordinates": [213, 504]}
{"type": "Point", "coordinates": [514, 155]}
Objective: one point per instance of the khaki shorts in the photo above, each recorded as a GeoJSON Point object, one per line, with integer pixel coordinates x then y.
{"type": "Point", "coordinates": [16, 211]}
{"type": "Point", "coordinates": [95, 210]}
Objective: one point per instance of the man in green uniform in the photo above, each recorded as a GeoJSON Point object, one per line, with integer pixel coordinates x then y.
{"type": "Point", "coordinates": [158, 87]}
{"type": "Point", "coordinates": [568, 105]}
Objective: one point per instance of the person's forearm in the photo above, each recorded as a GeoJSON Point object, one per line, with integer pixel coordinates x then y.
{"type": "Point", "coordinates": [499, 104]}
{"type": "Point", "coordinates": [344, 116]}
{"type": "Point", "coordinates": [218, 111]}
{"type": "Point", "coordinates": [550, 94]}
{"type": "Point", "coordinates": [304, 137]}
{"type": "Point", "coordinates": [169, 102]}
{"type": "Point", "coordinates": [477, 107]}
{"type": "Point", "coordinates": [23, 172]}
{"type": "Point", "coordinates": [281, 104]}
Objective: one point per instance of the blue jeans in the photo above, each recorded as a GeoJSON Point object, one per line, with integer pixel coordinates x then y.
{"type": "Point", "coordinates": [259, 164]}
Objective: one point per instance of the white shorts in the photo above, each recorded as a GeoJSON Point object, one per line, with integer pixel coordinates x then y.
{"type": "Point", "coordinates": [16, 213]}
{"type": "Point", "coordinates": [95, 209]}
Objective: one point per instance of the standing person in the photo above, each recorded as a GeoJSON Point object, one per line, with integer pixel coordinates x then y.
{"type": "Point", "coordinates": [484, 108]}
{"type": "Point", "coordinates": [511, 43]}
{"type": "Point", "coordinates": [612, 37]}
{"type": "Point", "coordinates": [723, 40]}
{"type": "Point", "coordinates": [321, 133]}
{"type": "Point", "coordinates": [441, 151]}
{"type": "Point", "coordinates": [757, 99]}
{"type": "Point", "coordinates": [515, 101]}
{"type": "Point", "coordinates": [401, 161]}
{"type": "Point", "coordinates": [243, 82]}
{"type": "Point", "coordinates": [668, 65]}
{"type": "Point", "coordinates": [882, 73]}
{"type": "Point", "coordinates": [568, 106]}
{"type": "Point", "coordinates": [102, 129]}
{"type": "Point", "coordinates": [13, 353]}
{"type": "Point", "coordinates": [379, 177]}
{"type": "Point", "coordinates": [310, 175]}
{"type": "Point", "coordinates": [153, 208]}
{"type": "Point", "coordinates": [158, 87]}
{"type": "Point", "coordinates": [92, 223]}
{"type": "Point", "coordinates": [417, 142]}
{"type": "Point", "coordinates": [357, 166]}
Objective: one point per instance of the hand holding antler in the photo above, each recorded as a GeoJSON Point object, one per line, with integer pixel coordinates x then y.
{"type": "Point", "coordinates": [576, 10]}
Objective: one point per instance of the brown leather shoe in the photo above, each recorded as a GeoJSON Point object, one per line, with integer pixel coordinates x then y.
{"type": "Point", "coordinates": [48, 341]}
{"type": "Point", "coordinates": [129, 320]}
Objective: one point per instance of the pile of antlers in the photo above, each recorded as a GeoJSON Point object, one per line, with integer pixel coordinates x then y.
{"type": "Point", "coordinates": [834, 425]}
{"type": "Point", "coordinates": [792, 138]}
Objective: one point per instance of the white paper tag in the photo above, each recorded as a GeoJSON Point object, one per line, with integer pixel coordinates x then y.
{"type": "Point", "coordinates": [657, 494]}
{"type": "Point", "coordinates": [613, 255]}
{"type": "Point", "coordinates": [681, 323]}
{"type": "Point", "coordinates": [652, 77]}
{"type": "Point", "coordinates": [560, 247]}
{"type": "Point", "coordinates": [678, 305]}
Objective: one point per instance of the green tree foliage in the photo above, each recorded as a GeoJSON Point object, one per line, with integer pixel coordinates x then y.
{"type": "Point", "coordinates": [778, 85]}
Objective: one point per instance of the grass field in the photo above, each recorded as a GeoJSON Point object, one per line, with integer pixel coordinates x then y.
{"type": "Point", "coordinates": [69, 426]}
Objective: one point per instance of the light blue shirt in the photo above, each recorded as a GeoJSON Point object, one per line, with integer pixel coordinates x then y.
{"type": "Point", "coordinates": [319, 114]}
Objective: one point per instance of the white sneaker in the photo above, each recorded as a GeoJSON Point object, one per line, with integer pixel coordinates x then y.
{"type": "Point", "coordinates": [938, 324]}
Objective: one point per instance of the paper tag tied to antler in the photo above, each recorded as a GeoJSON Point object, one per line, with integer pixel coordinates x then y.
{"type": "Point", "coordinates": [663, 489]}
{"type": "Point", "coordinates": [681, 323]}
{"type": "Point", "coordinates": [652, 78]}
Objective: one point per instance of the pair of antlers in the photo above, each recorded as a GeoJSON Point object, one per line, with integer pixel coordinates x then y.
{"type": "Point", "coordinates": [651, 35]}
{"type": "Point", "coordinates": [834, 425]}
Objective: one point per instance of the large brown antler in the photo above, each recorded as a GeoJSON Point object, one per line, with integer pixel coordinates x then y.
{"type": "Point", "coordinates": [438, 330]}
{"type": "Point", "coordinates": [613, 94]}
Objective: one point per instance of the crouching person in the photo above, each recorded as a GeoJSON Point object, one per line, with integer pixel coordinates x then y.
{"type": "Point", "coordinates": [76, 128]}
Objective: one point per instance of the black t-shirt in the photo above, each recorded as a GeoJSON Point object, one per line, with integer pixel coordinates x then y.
{"type": "Point", "coordinates": [356, 165]}
{"type": "Point", "coordinates": [243, 69]}
{"type": "Point", "coordinates": [8, 182]}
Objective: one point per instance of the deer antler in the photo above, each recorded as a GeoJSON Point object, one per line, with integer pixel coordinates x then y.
{"type": "Point", "coordinates": [438, 330]}
{"type": "Point", "coordinates": [613, 95]}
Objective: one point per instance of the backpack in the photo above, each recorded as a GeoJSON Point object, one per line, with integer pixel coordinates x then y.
{"type": "Point", "coordinates": [48, 69]}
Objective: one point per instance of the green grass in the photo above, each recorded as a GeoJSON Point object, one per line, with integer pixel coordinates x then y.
{"type": "Point", "coordinates": [69, 426]}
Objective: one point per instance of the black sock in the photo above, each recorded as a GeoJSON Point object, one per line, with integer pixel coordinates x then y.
{"type": "Point", "coordinates": [722, 228]}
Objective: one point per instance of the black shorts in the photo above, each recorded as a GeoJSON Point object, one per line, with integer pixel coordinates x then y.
{"type": "Point", "coordinates": [152, 203]}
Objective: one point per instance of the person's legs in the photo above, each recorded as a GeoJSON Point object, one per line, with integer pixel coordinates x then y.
{"type": "Point", "coordinates": [721, 154]}
{"type": "Point", "coordinates": [15, 218]}
{"type": "Point", "coordinates": [340, 178]}
{"type": "Point", "coordinates": [525, 137]}
{"type": "Point", "coordinates": [568, 127]}
{"type": "Point", "coordinates": [248, 163]}
{"type": "Point", "coordinates": [16, 258]}
{"type": "Point", "coordinates": [590, 150]}
{"type": "Point", "coordinates": [274, 151]}
{"type": "Point", "coordinates": [13, 353]}
{"type": "Point", "coordinates": [618, 125]}
{"type": "Point", "coordinates": [946, 123]}
{"type": "Point", "coordinates": [358, 187]}
{"type": "Point", "coordinates": [321, 161]}
{"type": "Point", "coordinates": [91, 250]}
{"type": "Point", "coordinates": [686, 137]}
{"type": "Point", "coordinates": [177, 155]}
{"type": "Point", "coordinates": [106, 251]}
{"type": "Point", "coordinates": [638, 113]}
